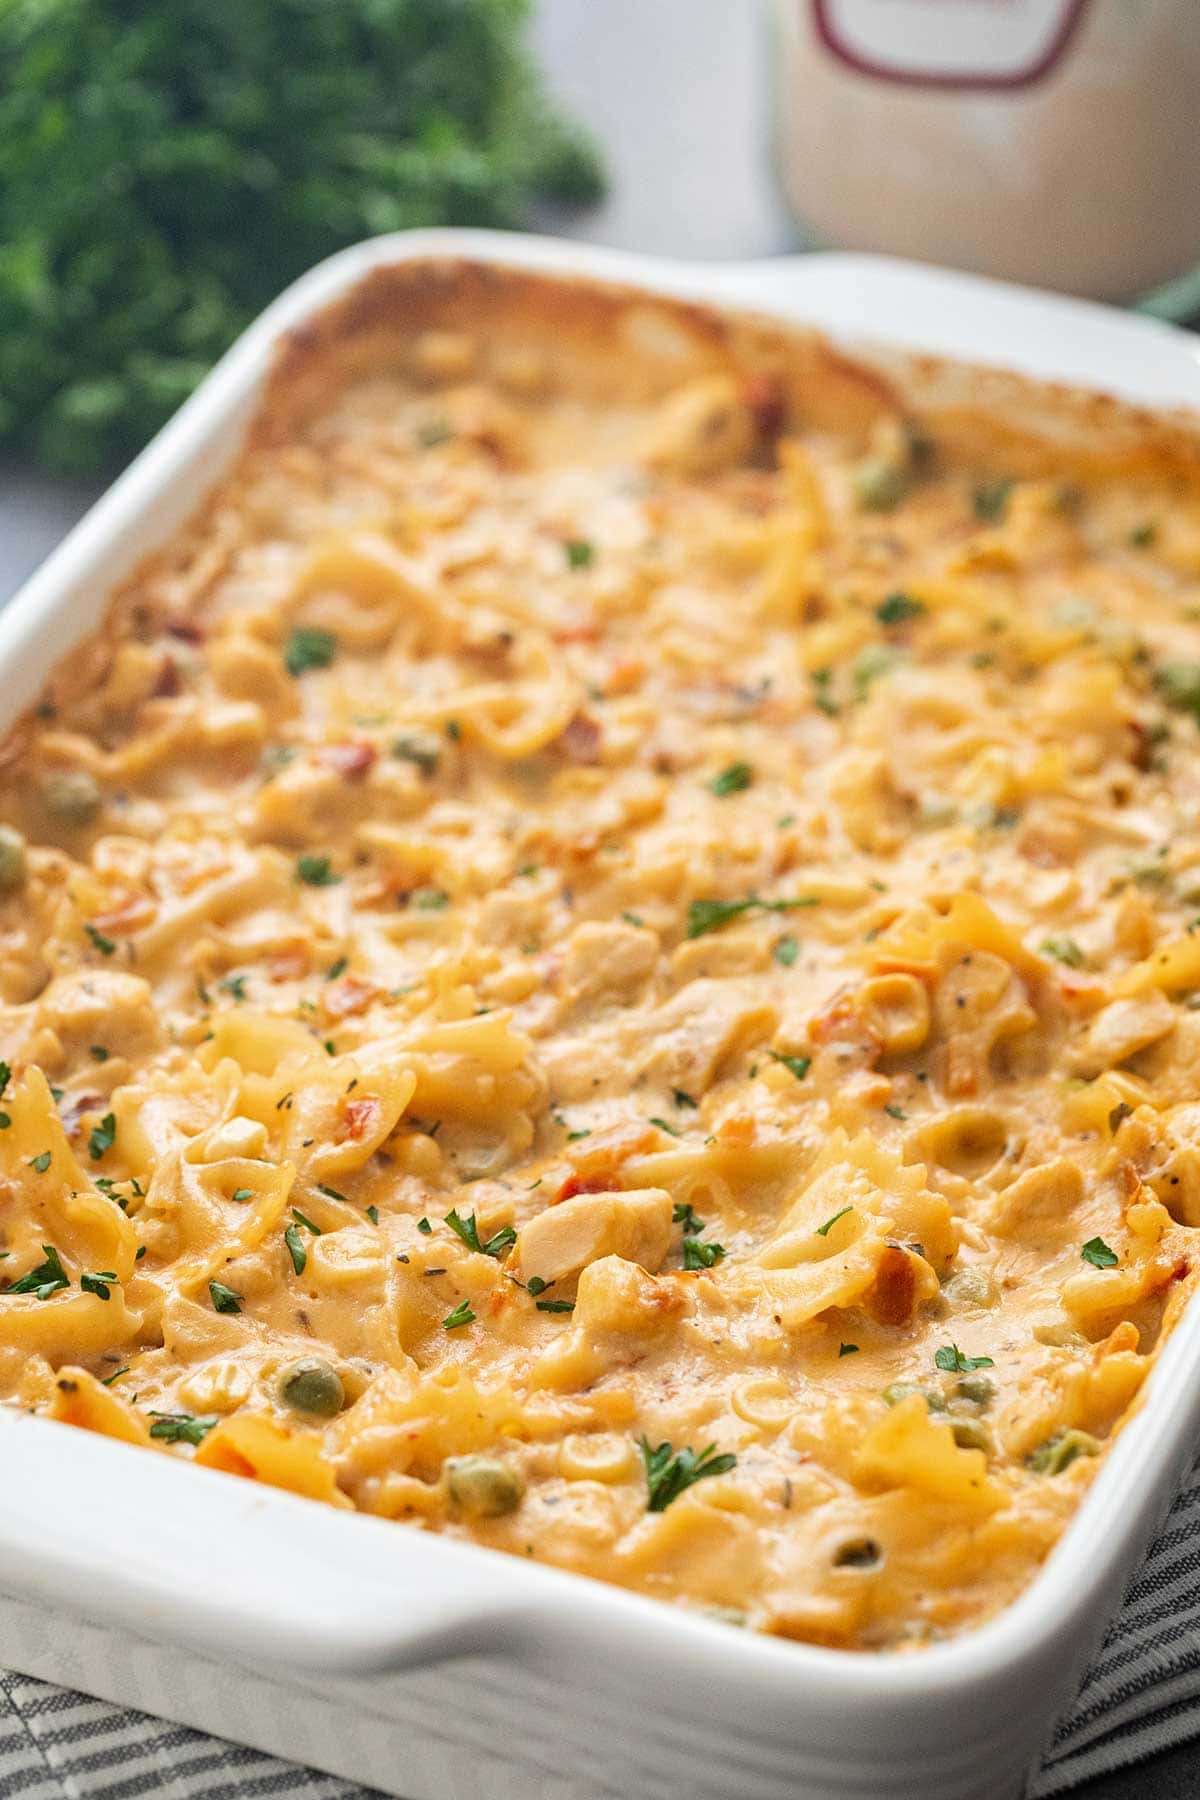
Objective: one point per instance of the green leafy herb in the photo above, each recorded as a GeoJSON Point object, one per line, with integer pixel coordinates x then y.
{"type": "Point", "coordinates": [825, 1229]}
{"type": "Point", "coordinates": [1063, 950]}
{"type": "Point", "coordinates": [468, 1231]}
{"type": "Point", "coordinates": [710, 915]}
{"type": "Point", "coordinates": [991, 500]}
{"type": "Point", "coordinates": [303, 1219]}
{"type": "Point", "coordinates": [424, 1227]}
{"type": "Point", "coordinates": [1097, 1252]}
{"type": "Point", "coordinates": [115, 1376]}
{"type": "Point", "coordinates": [699, 1255]}
{"type": "Point", "coordinates": [951, 1359]}
{"type": "Point", "coordinates": [103, 1137]}
{"type": "Point", "coordinates": [331, 1193]}
{"type": "Point", "coordinates": [895, 1112]}
{"type": "Point", "coordinates": [317, 871]}
{"type": "Point", "coordinates": [453, 731]}
{"type": "Point", "coordinates": [296, 1251]}
{"type": "Point", "coordinates": [99, 1284]}
{"type": "Point", "coordinates": [1142, 536]}
{"type": "Point", "coordinates": [423, 752]}
{"type": "Point", "coordinates": [897, 608]}
{"type": "Point", "coordinates": [181, 1428]}
{"type": "Point", "coordinates": [462, 1315]}
{"type": "Point", "coordinates": [663, 1125]}
{"type": "Point", "coordinates": [632, 918]}
{"type": "Point", "coordinates": [535, 1285]}
{"type": "Point", "coordinates": [429, 899]}
{"type": "Point", "coordinates": [308, 647]}
{"type": "Point", "coordinates": [555, 1306]}
{"type": "Point", "coordinates": [671, 1472]}
{"type": "Point", "coordinates": [336, 968]}
{"type": "Point", "coordinates": [5, 1120]}
{"type": "Point", "coordinates": [242, 1194]}
{"type": "Point", "coordinates": [799, 1065]}
{"type": "Point", "coordinates": [41, 1162]}
{"type": "Point", "coordinates": [235, 985]}
{"type": "Point", "coordinates": [786, 951]}
{"type": "Point", "coordinates": [847, 1349]}
{"type": "Point", "coordinates": [104, 945]}
{"type": "Point", "coordinates": [5, 1076]}
{"type": "Point", "coordinates": [46, 1279]}
{"type": "Point", "coordinates": [682, 1100]}
{"type": "Point", "coordinates": [732, 780]}
{"type": "Point", "coordinates": [373, 1214]}
{"type": "Point", "coordinates": [579, 553]}
{"type": "Point", "coordinates": [223, 1298]}
{"type": "Point", "coordinates": [99, 1053]}
{"type": "Point", "coordinates": [682, 1214]}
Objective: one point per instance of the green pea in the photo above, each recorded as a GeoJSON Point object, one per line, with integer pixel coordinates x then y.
{"type": "Point", "coordinates": [483, 1485]}
{"type": "Point", "coordinates": [900, 1390]}
{"type": "Point", "coordinates": [13, 868]}
{"type": "Point", "coordinates": [1061, 1450]}
{"type": "Point", "coordinates": [312, 1386]}
{"type": "Point", "coordinates": [978, 1388]}
{"type": "Point", "coordinates": [880, 483]}
{"type": "Point", "coordinates": [73, 796]}
{"type": "Point", "coordinates": [969, 1434]}
{"type": "Point", "coordinates": [858, 1553]}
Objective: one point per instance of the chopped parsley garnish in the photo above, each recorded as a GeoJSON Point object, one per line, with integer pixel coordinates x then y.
{"type": "Point", "coordinates": [296, 1251]}
{"type": "Point", "coordinates": [103, 944]}
{"type": "Point", "coordinates": [710, 915]}
{"type": "Point", "coordinates": [468, 1231]}
{"type": "Point", "coordinates": [424, 1227]}
{"type": "Point", "coordinates": [683, 1100]}
{"type": "Point", "coordinates": [99, 1283]}
{"type": "Point", "coordinates": [951, 1359]}
{"type": "Point", "coordinates": [732, 780]}
{"type": "Point", "coordinates": [555, 1306]}
{"type": "Point", "coordinates": [671, 1130]}
{"type": "Point", "coordinates": [41, 1162]}
{"type": "Point", "coordinates": [897, 608]}
{"type": "Point", "coordinates": [1098, 1253]}
{"type": "Point", "coordinates": [462, 1315]}
{"type": "Point", "coordinates": [825, 1229]}
{"type": "Point", "coordinates": [453, 730]}
{"type": "Point", "coordinates": [632, 918]}
{"type": "Point", "coordinates": [317, 871]}
{"type": "Point", "coordinates": [242, 1194]}
{"type": "Point", "coordinates": [103, 1137]}
{"type": "Point", "coordinates": [423, 752]}
{"type": "Point", "coordinates": [823, 700]}
{"type": "Point", "coordinates": [1142, 536]}
{"type": "Point", "coordinates": [1063, 950]}
{"type": "Point", "coordinates": [847, 1349]}
{"type": "Point", "coordinates": [799, 1065]}
{"type": "Point", "coordinates": [223, 1298]}
{"type": "Point", "coordinates": [5, 1120]}
{"type": "Point", "coordinates": [331, 1193]}
{"type": "Point", "coordinates": [46, 1279]}
{"type": "Point", "coordinates": [786, 951]}
{"type": "Point", "coordinates": [991, 500]}
{"type": "Point", "coordinates": [115, 1376]}
{"type": "Point", "coordinates": [5, 1076]}
{"type": "Point", "coordinates": [670, 1472]}
{"type": "Point", "coordinates": [99, 1053]}
{"type": "Point", "coordinates": [535, 1285]}
{"type": "Point", "coordinates": [308, 647]}
{"type": "Point", "coordinates": [682, 1214]}
{"type": "Point", "coordinates": [895, 1112]}
{"type": "Point", "coordinates": [336, 968]}
{"type": "Point", "coordinates": [429, 899]}
{"type": "Point", "coordinates": [235, 985]}
{"type": "Point", "coordinates": [699, 1255]}
{"type": "Point", "coordinates": [181, 1428]}
{"type": "Point", "coordinates": [579, 553]}
{"type": "Point", "coordinates": [373, 1214]}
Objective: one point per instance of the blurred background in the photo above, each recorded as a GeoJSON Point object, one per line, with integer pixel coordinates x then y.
{"type": "Point", "coordinates": [165, 170]}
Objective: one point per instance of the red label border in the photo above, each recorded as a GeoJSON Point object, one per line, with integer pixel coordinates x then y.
{"type": "Point", "coordinates": [828, 33]}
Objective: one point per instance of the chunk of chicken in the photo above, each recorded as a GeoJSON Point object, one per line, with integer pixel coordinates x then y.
{"type": "Point", "coordinates": [564, 1239]}
{"type": "Point", "coordinates": [608, 962]}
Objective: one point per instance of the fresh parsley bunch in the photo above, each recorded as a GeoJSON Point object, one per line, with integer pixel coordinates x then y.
{"type": "Point", "coordinates": [166, 168]}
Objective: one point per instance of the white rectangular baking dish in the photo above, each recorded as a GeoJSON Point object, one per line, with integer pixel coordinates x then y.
{"type": "Point", "coordinates": [432, 1669]}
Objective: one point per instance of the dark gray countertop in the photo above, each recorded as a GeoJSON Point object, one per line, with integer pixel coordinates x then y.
{"type": "Point", "coordinates": [677, 93]}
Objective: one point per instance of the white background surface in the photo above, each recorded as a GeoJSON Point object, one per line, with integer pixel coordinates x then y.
{"type": "Point", "coordinates": [676, 92]}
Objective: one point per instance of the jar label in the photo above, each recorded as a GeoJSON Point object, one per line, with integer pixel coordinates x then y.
{"type": "Point", "coordinates": [949, 43]}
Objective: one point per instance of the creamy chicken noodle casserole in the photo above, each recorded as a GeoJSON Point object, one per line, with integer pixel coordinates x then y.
{"type": "Point", "coordinates": [604, 956]}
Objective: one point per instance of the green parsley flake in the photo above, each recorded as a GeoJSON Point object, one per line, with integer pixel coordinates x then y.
{"type": "Point", "coordinates": [555, 1306]}
{"type": "Point", "coordinates": [698, 1255]}
{"type": "Point", "coordinates": [786, 951]}
{"type": "Point", "coordinates": [41, 1162]}
{"type": "Point", "coordinates": [424, 753]}
{"type": "Point", "coordinates": [429, 899]}
{"type": "Point", "coordinates": [98, 1053]}
{"type": "Point", "coordinates": [103, 1137]}
{"type": "Point", "coordinates": [104, 945]}
{"type": "Point", "coordinates": [1097, 1252]}
{"type": "Point", "coordinates": [1063, 950]}
{"type": "Point", "coordinates": [223, 1298]}
{"type": "Point", "coordinates": [951, 1359]}
{"type": "Point", "coordinates": [897, 608]}
{"type": "Point", "coordinates": [991, 500]}
{"type": "Point", "coordinates": [799, 1065]}
{"type": "Point", "coordinates": [682, 1214]}
{"type": "Point", "coordinates": [46, 1279]}
{"type": "Point", "coordinates": [317, 871]}
{"type": "Point", "coordinates": [732, 780]}
{"type": "Point", "coordinates": [331, 1193]}
{"type": "Point", "coordinates": [710, 915]}
{"type": "Point", "coordinates": [99, 1284]}
{"type": "Point", "coordinates": [579, 553]}
{"type": "Point", "coordinates": [373, 1214]}
{"type": "Point", "coordinates": [296, 1251]}
{"type": "Point", "coordinates": [308, 647]}
{"type": "Point", "coordinates": [181, 1428]}
{"type": "Point", "coordinates": [468, 1231]}
{"type": "Point", "coordinates": [847, 1349]}
{"type": "Point", "coordinates": [671, 1130]}
{"type": "Point", "coordinates": [825, 1229]}
{"type": "Point", "coordinates": [670, 1472]}
{"type": "Point", "coordinates": [462, 1315]}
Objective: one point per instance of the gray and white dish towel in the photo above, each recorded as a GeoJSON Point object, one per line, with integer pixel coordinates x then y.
{"type": "Point", "coordinates": [1141, 1695]}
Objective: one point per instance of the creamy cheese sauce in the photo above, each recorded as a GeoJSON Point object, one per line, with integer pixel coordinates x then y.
{"type": "Point", "coordinates": [613, 975]}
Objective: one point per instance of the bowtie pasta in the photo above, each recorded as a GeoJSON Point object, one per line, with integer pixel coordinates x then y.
{"type": "Point", "coordinates": [603, 956]}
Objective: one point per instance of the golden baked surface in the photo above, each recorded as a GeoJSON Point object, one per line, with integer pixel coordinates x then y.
{"type": "Point", "coordinates": [623, 893]}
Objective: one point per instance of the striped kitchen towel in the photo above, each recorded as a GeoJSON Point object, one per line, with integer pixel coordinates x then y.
{"type": "Point", "coordinates": [1141, 1695]}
